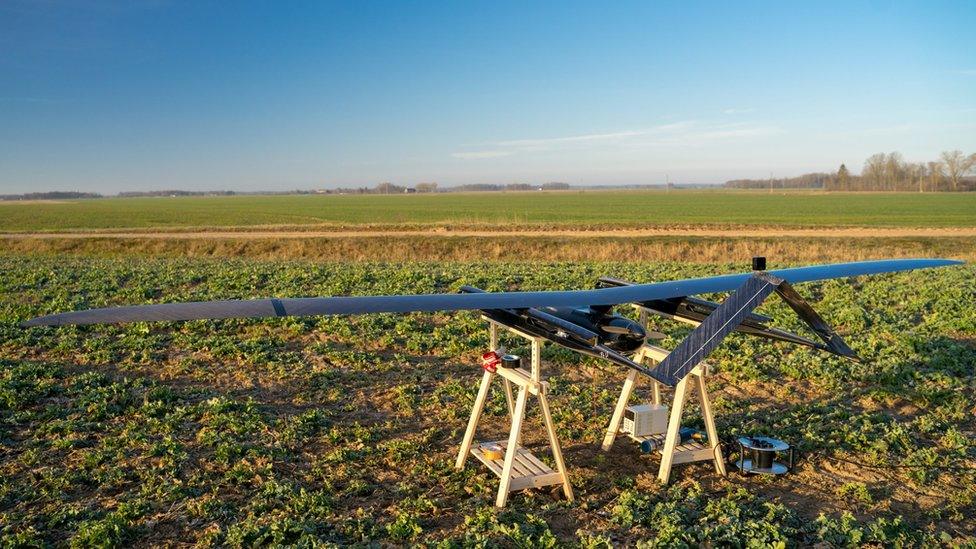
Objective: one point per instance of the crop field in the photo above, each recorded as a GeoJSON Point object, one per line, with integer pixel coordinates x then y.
{"type": "Point", "coordinates": [343, 431]}
{"type": "Point", "coordinates": [571, 209]}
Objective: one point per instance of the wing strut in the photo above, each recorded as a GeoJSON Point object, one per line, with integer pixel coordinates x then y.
{"type": "Point", "coordinates": [727, 317]}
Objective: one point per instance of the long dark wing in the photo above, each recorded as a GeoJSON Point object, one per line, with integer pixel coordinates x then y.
{"type": "Point", "coordinates": [452, 302]}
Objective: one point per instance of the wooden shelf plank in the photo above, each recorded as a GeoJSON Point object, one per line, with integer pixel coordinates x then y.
{"type": "Point", "coordinates": [528, 471]}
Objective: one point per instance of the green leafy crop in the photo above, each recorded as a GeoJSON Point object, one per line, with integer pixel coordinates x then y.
{"type": "Point", "coordinates": [338, 431]}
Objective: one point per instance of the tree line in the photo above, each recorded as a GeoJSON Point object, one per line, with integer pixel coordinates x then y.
{"type": "Point", "coordinates": [390, 188]}
{"type": "Point", "coordinates": [952, 171]}
{"type": "Point", "coordinates": [53, 195]}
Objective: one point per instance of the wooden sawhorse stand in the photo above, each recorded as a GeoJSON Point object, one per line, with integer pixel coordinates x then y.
{"type": "Point", "coordinates": [673, 451]}
{"type": "Point", "coordinates": [519, 469]}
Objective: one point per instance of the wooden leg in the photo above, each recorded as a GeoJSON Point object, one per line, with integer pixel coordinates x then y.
{"type": "Point", "coordinates": [618, 412]}
{"type": "Point", "coordinates": [709, 419]}
{"type": "Point", "coordinates": [657, 392]}
{"type": "Point", "coordinates": [479, 406]}
{"type": "Point", "coordinates": [509, 398]}
{"type": "Point", "coordinates": [513, 438]}
{"type": "Point", "coordinates": [557, 453]}
{"type": "Point", "coordinates": [672, 437]}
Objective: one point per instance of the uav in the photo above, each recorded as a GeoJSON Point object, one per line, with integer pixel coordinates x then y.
{"type": "Point", "coordinates": [581, 320]}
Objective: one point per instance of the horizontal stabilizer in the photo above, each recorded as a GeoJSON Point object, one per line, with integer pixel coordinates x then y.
{"type": "Point", "coordinates": [695, 310]}
{"type": "Point", "coordinates": [833, 342]}
{"type": "Point", "coordinates": [723, 321]}
{"type": "Point", "coordinates": [728, 316]}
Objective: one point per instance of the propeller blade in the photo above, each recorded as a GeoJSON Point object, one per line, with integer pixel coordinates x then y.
{"type": "Point", "coordinates": [610, 329]}
{"type": "Point", "coordinates": [622, 330]}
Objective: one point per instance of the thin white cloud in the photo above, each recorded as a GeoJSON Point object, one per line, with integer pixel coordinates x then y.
{"type": "Point", "coordinates": [548, 143]}
{"type": "Point", "coordinates": [479, 155]}
{"type": "Point", "coordinates": [739, 111]}
{"type": "Point", "coordinates": [685, 133]}
{"type": "Point", "coordinates": [900, 128]}
{"type": "Point", "coordinates": [966, 72]}
{"type": "Point", "coordinates": [709, 133]}
{"type": "Point", "coordinates": [731, 133]}
{"type": "Point", "coordinates": [570, 139]}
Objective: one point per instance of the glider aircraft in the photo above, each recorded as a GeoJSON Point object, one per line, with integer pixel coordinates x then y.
{"type": "Point", "coordinates": [581, 320]}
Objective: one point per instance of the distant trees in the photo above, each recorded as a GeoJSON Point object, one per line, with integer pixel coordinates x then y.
{"type": "Point", "coordinates": [935, 173]}
{"type": "Point", "coordinates": [173, 192]}
{"type": "Point", "coordinates": [430, 187]}
{"type": "Point", "coordinates": [890, 172]}
{"type": "Point", "coordinates": [957, 165]}
{"type": "Point", "coordinates": [805, 181]}
{"type": "Point", "coordinates": [555, 186]}
{"type": "Point", "coordinates": [389, 188]}
{"type": "Point", "coordinates": [883, 172]}
{"type": "Point", "coordinates": [843, 178]}
{"type": "Point", "coordinates": [54, 195]}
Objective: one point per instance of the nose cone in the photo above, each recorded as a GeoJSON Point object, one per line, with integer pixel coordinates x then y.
{"type": "Point", "coordinates": [622, 334]}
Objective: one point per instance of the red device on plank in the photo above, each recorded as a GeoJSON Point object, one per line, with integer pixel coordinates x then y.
{"type": "Point", "coordinates": [490, 361]}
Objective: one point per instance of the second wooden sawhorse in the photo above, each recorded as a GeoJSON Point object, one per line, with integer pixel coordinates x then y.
{"type": "Point", "coordinates": [673, 450]}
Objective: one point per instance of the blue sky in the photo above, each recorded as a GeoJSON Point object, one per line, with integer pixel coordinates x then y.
{"type": "Point", "coordinates": [137, 95]}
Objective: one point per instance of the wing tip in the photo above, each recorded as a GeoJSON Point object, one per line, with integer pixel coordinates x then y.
{"type": "Point", "coordinates": [46, 321]}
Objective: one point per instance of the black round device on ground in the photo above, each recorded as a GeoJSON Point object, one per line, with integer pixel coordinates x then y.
{"type": "Point", "coordinates": [511, 361]}
{"type": "Point", "coordinates": [758, 455]}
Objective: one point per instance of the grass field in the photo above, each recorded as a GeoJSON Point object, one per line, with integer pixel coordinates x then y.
{"type": "Point", "coordinates": [574, 209]}
{"type": "Point", "coordinates": [339, 431]}
{"type": "Point", "coordinates": [343, 431]}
